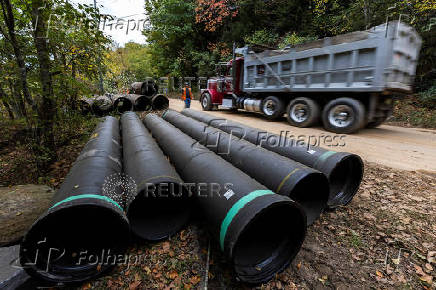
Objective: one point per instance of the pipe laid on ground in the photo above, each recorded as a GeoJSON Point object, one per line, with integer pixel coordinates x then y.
{"type": "Point", "coordinates": [102, 105]}
{"type": "Point", "coordinates": [343, 170]}
{"type": "Point", "coordinates": [148, 88]}
{"type": "Point", "coordinates": [72, 241]}
{"type": "Point", "coordinates": [161, 207]}
{"type": "Point", "coordinates": [308, 187]}
{"type": "Point", "coordinates": [140, 102]}
{"type": "Point", "coordinates": [160, 102]}
{"type": "Point", "coordinates": [122, 103]}
{"type": "Point", "coordinates": [242, 214]}
{"type": "Point", "coordinates": [85, 105]}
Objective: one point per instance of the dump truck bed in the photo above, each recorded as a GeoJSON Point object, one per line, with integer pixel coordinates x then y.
{"type": "Point", "coordinates": [383, 58]}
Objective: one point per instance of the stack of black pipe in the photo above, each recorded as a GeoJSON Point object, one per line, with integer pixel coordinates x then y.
{"type": "Point", "coordinates": [149, 90]}
{"type": "Point", "coordinates": [244, 181]}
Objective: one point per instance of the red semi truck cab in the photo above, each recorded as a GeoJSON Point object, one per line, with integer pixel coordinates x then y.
{"type": "Point", "coordinates": [222, 88]}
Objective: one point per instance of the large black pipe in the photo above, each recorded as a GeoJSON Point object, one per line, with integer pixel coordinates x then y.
{"type": "Point", "coordinates": [148, 88]}
{"type": "Point", "coordinates": [85, 105]}
{"type": "Point", "coordinates": [102, 105]}
{"type": "Point", "coordinates": [86, 227]}
{"type": "Point", "coordinates": [305, 185]}
{"type": "Point", "coordinates": [160, 102]}
{"type": "Point", "coordinates": [343, 170]}
{"type": "Point", "coordinates": [161, 206]}
{"type": "Point", "coordinates": [140, 102]}
{"type": "Point", "coordinates": [122, 103]}
{"type": "Point", "coordinates": [241, 213]}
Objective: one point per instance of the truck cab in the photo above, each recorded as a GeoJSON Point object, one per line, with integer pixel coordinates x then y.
{"type": "Point", "coordinates": [224, 88]}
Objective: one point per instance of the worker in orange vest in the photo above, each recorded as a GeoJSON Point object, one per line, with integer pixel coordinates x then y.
{"type": "Point", "coordinates": [187, 95]}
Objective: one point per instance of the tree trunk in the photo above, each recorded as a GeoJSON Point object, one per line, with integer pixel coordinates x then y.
{"type": "Point", "coordinates": [47, 106]}
{"type": "Point", "coordinates": [20, 107]}
{"type": "Point", "coordinates": [6, 104]}
{"type": "Point", "coordinates": [10, 23]}
{"type": "Point", "coordinates": [73, 99]}
{"type": "Point", "coordinates": [8, 109]}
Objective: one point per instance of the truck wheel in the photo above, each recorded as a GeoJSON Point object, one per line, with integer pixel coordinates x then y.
{"type": "Point", "coordinates": [303, 112]}
{"type": "Point", "coordinates": [273, 107]}
{"type": "Point", "coordinates": [343, 116]}
{"type": "Point", "coordinates": [206, 102]}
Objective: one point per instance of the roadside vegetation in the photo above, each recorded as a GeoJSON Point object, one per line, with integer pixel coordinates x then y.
{"type": "Point", "coordinates": [418, 110]}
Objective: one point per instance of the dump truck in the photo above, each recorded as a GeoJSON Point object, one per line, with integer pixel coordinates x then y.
{"type": "Point", "coordinates": [348, 82]}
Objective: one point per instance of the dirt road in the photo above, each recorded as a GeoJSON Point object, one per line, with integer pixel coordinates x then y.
{"type": "Point", "coordinates": [411, 149]}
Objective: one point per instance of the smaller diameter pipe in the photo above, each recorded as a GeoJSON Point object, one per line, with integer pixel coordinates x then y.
{"type": "Point", "coordinates": [140, 102]}
{"type": "Point", "coordinates": [102, 105]}
{"type": "Point", "coordinates": [148, 88]}
{"type": "Point", "coordinates": [160, 102]}
{"type": "Point", "coordinates": [85, 105]}
{"type": "Point", "coordinates": [122, 104]}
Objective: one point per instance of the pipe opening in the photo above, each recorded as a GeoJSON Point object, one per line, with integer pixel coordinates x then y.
{"type": "Point", "coordinates": [85, 107]}
{"type": "Point", "coordinates": [265, 246]}
{"type": "Point", "coordinates": [149, 89]}
{"type": "Point", "coordinates": [123, 105]}
{"type": "Point", "coordinates": [160, 213]}
{"type": "Point", "coordinates": [69, 244]}
{"type": "Point", "coordinates": [345, 180]}
{"type": "Point", "coordinates": [312, 193]}
{"type": "Point", "coordinates": [160, 102]}
{"type": "Point", "coordinates": [142, 104]}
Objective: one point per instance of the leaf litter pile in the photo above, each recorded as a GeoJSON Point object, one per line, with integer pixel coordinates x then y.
{"type": "Point", "coordinates": [384, 239]}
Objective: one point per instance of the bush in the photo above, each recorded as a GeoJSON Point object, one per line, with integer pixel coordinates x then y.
{"type": "Point", "coordinates": [427, 98]}
{"type": "Point", "coordinates": [412, 112]}
{"type": "Point", "coordinates": [294, 39]}
{"type": "Point", "coordinates": [262, 37]}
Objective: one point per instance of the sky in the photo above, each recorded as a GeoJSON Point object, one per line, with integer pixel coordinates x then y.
{"type": "Point", "coordinates": [131, 11]}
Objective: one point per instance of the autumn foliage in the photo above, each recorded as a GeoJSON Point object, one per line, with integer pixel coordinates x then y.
{"type": "Point", "coordinates": [212, 13]}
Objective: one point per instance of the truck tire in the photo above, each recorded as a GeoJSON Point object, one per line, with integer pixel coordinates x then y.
{"type": "Point", "coordinates": [206, 102]}
{"type": "Point", "coordinates": [272, 107]}
{"type": "Point", "coordinates": [303, 112]}
{"type": "Point", "coordinates": [343, 116]}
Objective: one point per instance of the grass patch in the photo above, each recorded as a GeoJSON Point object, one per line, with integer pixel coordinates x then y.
{"type": "Point", "coordinates": [355, 240]}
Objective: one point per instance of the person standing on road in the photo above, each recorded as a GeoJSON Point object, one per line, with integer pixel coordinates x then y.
{"type": "Point", "coordinates": [187, 95]}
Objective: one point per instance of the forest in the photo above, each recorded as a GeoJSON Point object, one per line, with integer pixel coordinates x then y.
{"type": "Point", "coordinates": [52, 52]}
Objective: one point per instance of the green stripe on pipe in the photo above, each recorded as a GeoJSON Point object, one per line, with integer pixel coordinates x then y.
{"type": "Point", "coordinates": [164, 113]}
{"type": "Point", "coordinates": [236, 208]}
{"type": "Point", "coordinates": [74, 197]}
{"type": "Point", "coordinates": [326, 155]}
